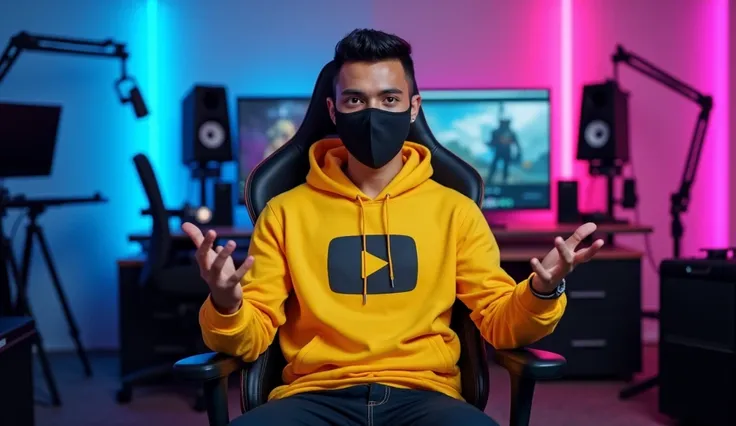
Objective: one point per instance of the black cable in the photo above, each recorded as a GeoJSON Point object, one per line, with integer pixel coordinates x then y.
{"type": "Point", "coordinates": [16, 224]}
{"type": "Point", "coordinates": [15, 227]}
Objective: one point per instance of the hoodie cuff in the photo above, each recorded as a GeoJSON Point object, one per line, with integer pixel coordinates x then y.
{"type": "Point", "coordinates": [220, 322]}
{"type": "Point", "coordinates": [532, 303]}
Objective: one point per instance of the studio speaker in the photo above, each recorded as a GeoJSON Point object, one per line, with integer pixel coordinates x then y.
{"type": "Point", "coordinates": [567, 202]}
{"type": "Point", "coordinates": [604, 124]}
{"type": "Point", "coordinates": [206, 126]}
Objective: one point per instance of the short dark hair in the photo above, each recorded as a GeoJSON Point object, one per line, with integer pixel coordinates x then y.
{"type": "Point", "coordinates": [367, 45]}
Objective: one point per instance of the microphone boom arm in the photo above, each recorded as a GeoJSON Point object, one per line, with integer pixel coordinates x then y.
{"type": "Point", "coordinates": [74, 46]}
{"type": "Point", "coordinates": [680, 200]}
{"type": "Point", "coordinates": [25, 41]}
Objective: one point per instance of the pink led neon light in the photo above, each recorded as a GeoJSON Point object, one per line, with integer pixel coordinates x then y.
{"type": "Point", "coordinates": [719, 188]}
{"type": "Point", "coordinates": [566, 142]}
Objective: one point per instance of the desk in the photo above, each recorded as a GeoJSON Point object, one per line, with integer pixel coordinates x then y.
{"type": "Point", "coordinates": [600, 333]}
{"type": "Point", "coordinates": [510, 232]}
{"type": "Point", "coordinates": [16, 371]}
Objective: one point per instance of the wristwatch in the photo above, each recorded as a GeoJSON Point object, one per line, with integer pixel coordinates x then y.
{"type": "Point", "coordinates": [554, 295]}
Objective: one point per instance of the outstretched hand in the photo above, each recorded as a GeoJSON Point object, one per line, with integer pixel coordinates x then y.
{"type": "Point", "coordinates": [561, 260]}
{"type": "Point", "coordinates": [217, 268]}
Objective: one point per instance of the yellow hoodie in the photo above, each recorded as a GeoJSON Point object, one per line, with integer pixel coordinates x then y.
{"type": "Point", "coordinates": [361, 289]}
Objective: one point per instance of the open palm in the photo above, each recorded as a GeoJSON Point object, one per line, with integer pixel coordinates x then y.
{"type": "Point", "coordinates": [217, 268]}
{"type": "Point", "coordinates": [205, 252]}
{"type": "Point", "coordinates": [562, 259]}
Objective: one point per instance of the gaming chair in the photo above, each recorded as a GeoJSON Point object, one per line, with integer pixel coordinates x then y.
{"type": "Point", "coordinates": [287, 168]}
{"type": "Point", "coordinates": [167, 274]}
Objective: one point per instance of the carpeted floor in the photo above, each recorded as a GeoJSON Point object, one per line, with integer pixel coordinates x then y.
{"type": "Point", "coordinates": [91, 402]}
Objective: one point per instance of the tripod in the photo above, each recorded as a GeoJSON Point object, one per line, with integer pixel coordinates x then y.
{"type": "Point", "coordinates": [37, 339]}
{"type": "Point", "coordinates": [21, 276]}
{"type": "Point", "coordinates": [34, 229]}
{"type": "Point", "coordinates": [8, 260]}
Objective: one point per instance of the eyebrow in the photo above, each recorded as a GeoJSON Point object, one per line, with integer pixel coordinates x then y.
{"type": "Point", "coordinates": [356, 92]}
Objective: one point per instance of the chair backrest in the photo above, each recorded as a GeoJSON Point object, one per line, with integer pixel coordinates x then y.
{"type": "Point", "coordinates": [159, 246]}
{"type": "Point", "coordinates": [287, 168]}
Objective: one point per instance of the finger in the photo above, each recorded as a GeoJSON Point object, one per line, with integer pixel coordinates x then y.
{"type": "Point", "coordinates": [204, 249]}
{"type": "Point", "coordinates": [566, 253]}
{"type": "Point", "coordinates": [583, 232]}
{"type": "Point", "coordinates": [206, 274]}
{"type": "Point", "coordinates": [541, 272]}
{"type": "Point", "coordinates": [193, 232]}
{"type": "Point", "coordinates": [220, 260]}
{"type": "Point", "coordinates": [556, 273]}
{"type": "Point", "coordinates": [243, 269]}
{"type": "Point", "coordinates": [586, 254]}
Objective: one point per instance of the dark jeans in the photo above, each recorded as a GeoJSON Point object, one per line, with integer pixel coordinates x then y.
{"type": "Point", "coordinates": [366, 405]}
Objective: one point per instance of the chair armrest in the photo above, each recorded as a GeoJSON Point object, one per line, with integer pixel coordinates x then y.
{"type": "Point", "coordinates": [207, 366]}
{"type": "Point", "coordinates": [533, 364]}
{"type": "Point", "coordinates": [212, 371]}
{"type": "Point", "coordinates": [525, 367]}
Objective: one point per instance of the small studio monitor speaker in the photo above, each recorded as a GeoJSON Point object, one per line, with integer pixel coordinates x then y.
{"type": "Point", "coordinates": [206, 126]}
{"type": "Point", "coordinates": [223, 205]}
{"type": "Point", "coordinates": [567, 201]}
{"type": "Point", "coordinates": [604, 124]}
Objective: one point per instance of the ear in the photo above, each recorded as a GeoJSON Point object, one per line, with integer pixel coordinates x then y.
{"type": "Point", "coordinates": [331, 109]}
{"type": "Point", "coordinates": [416, 103]}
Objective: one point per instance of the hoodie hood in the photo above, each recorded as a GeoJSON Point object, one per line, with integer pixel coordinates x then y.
{"type": "Point", "coordinates": [327, 159]}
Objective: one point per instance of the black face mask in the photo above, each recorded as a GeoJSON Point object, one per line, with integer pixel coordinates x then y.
{"type": "Point", "coordinates": [373, 136]}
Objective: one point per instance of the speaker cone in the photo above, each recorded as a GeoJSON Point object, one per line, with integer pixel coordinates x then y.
{"type": "Point", "coordinates": [211, 134]}
{"type": "Point", "coordinates": [597, 133]}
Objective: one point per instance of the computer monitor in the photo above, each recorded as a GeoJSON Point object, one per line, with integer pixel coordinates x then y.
{"type": "Point", "coordinates": [504, 134]}
{"type": "Point", "coordinates": [264, 125]}
{"type": "Point", "coordinates": [28, 139]}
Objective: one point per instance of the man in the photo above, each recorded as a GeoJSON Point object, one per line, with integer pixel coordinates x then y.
{"type": "Point", "coordinates": [359, 267]}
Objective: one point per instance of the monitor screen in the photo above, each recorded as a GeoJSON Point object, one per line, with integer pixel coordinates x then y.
{"type": "Point", "coordinates": [504, 134]}
{"type": "Point", "coordinates": [264, 124]}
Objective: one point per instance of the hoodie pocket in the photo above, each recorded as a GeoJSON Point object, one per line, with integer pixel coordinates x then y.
{"type": "Point", "coordinates": [310, 357]}
{"type": "Point", "coordinates": [442, 350]}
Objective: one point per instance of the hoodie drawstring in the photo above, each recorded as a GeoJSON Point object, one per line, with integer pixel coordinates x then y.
{"type": "Point", "coordinates": [365, 244]}
{"type": "Point", "coordinates": [388, 239]}
{"type": "Point", "coordinates": [362, 253]}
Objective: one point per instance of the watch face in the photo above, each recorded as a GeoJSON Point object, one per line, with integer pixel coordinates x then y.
{"type": "Point", "coordinates": [561, 288]}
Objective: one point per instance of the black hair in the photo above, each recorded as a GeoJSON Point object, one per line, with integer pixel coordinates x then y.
{"type": "Point", "coordinates": [367, 45]}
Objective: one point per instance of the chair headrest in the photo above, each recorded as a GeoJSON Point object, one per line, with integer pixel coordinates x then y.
{"type": "Point", "coordinates": [287, 168]}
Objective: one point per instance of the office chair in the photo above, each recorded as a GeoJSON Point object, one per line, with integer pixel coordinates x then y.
{"type": "Point", "coordinates": [170, 281]}
{"type": "Point", "coordinates": [286, 169]}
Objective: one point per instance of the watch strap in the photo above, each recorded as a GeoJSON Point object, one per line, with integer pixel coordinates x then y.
{"type": "Point", "coordinates": [559, 290]}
